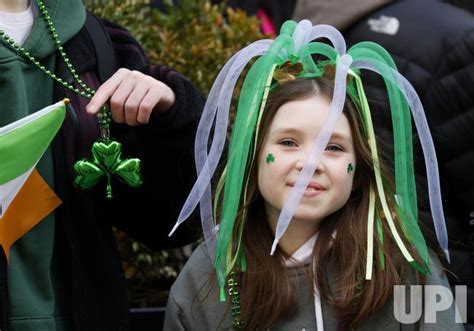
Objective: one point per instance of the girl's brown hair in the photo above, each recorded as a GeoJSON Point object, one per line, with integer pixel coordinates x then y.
{"type": "Point", "coordinates": [267, 293]}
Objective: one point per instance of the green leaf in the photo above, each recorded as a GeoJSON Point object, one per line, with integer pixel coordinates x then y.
{"type": "Point", "coordinates": [129, 171]}
{"type": "Point", "coordinates": [107, 154]}
{"type": "Point", "coordinates": [88, 174]}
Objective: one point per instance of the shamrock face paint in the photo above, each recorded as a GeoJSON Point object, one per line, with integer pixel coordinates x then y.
{"type": "Point", "coordinates": [291, 135]}
{"type": "Point", "coordinates": [270, 158]}
{"type": "Point", "coordinates": [349, 168]}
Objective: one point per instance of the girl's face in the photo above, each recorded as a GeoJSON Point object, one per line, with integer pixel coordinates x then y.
{"type": "Point", "coordinates": [284, 151]}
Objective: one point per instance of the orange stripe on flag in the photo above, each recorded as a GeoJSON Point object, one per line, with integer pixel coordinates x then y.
{"type": "Point", "coordinates": [33, 203]}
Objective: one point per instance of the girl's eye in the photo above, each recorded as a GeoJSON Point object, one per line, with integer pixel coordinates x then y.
{"type": "Point", "coordinates": [333, 148]}
{"type": "Point", "coordinates": [287, 143]}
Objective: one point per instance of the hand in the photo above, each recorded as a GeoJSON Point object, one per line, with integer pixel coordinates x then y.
{"type": "Point", "coordinates": [133, 97]}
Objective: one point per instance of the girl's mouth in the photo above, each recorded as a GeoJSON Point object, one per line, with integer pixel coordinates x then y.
{"type": "Point", "coordinates": [313, 189]}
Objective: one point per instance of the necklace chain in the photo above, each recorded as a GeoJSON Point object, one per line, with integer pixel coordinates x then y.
{"type": "Point", "coordinates": [86, 92]}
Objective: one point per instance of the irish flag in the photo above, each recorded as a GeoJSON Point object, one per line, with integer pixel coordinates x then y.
{"type": "Point", "coordinates": [25, 198]}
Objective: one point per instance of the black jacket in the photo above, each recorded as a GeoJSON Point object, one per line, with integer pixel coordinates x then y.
{"type": "Point", "coordinates": [433, 48]}
{"type": "Point", "coordinates": [148, 213]}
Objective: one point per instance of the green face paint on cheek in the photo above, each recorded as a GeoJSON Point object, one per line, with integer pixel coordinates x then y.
{"type": "Point", "coordinates": [270, 158]}
{"type": "Point", "coordinates": [350, 168]}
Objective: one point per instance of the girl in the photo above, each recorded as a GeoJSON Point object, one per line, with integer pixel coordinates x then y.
{"type": "Point", "coordinates": [323, 273]}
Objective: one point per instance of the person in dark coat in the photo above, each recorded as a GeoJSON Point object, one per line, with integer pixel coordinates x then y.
{"type": "Point", "coordinates": [65, 273]}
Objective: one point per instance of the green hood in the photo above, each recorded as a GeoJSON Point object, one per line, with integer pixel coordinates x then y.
{"type": "Point", "coordinates": [68, 18]}
{"type": "Point", "coordinates": [25, 88]}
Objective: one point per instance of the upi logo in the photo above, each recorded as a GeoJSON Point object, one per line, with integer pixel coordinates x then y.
{"type": "Point", "coordinates": [437, 298]}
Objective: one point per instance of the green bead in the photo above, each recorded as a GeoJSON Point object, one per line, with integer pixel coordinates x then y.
{"type": "Point", "coordinates": [88, 92]}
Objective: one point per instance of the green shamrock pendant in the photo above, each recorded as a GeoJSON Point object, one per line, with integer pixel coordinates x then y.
{"type": "Point", "coordinates": [106, 162]}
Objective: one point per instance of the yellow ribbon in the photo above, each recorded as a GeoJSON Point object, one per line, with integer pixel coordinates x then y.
{"type": "Point", "coordinates": [378, 177]}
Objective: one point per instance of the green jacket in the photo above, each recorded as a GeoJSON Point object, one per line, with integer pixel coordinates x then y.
{"type": "Point", "coordinates": [39, 280]}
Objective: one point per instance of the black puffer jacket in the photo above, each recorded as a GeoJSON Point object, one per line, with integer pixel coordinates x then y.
{"type": "Point", "coordinates": [433, 47]}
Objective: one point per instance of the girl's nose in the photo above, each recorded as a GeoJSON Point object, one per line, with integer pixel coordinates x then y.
{"type": "Point", "coordinates": [299, 166]}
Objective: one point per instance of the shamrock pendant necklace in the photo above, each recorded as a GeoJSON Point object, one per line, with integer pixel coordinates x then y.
{"type": "Point", "coordinates": [106, 153]}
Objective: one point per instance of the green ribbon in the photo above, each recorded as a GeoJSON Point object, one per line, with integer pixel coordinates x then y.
{"type": "Point", "coordinates": [241, 155]}
{"type": "Point", "coordinates": [403, 148]}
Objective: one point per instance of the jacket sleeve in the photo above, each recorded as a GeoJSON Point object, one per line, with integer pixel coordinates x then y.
{"type": "Point", "coordinates": [193, 303]}
{"type": "Point", "coordinates": [174, 317]}
{"type": "Point", "coordinates": [165, 147]}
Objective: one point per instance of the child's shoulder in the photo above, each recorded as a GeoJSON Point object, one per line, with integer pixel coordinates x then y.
{"type": "Point", "coordinates": [199, 258]}
{"type": "Point", "coordinates": [196, 272]}
{"type": "Point", "coordinates": [194, 297]}
{"type": "Point", "coordinates": [437, 274]}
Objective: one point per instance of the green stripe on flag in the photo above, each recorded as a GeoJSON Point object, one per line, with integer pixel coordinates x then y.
{"type": "Point", "coordinates": [22, 147]}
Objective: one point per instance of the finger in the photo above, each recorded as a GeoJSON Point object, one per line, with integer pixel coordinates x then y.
{"type": "Point", "coordinates": [133, 102]}
{"type": "Point", "coordinates": [149, 102]}
{"type": "Point", "coordinates": [167, 98]}
{"type": "Point", "coordinates": [105, 91]}
{"type": "Point", "coordinates": [118, 99]}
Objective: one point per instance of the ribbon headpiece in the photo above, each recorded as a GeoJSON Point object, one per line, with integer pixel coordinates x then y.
{"type": "Point", "coordinates": [292, 50]}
